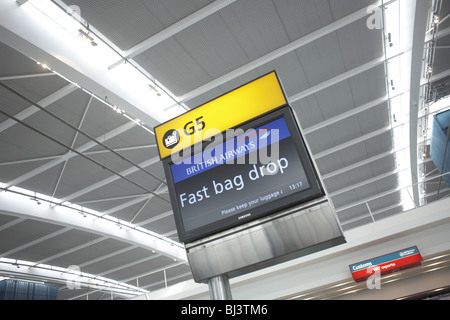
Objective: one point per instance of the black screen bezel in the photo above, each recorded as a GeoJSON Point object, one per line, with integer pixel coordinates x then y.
{"type": "Point", "coordinates": [315, 191]}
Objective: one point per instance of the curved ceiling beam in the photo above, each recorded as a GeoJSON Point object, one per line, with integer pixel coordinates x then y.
{"type": "Point", "coordinates": [44, 40]}
{"type": "Point", "coordinates": [419, 29]}
{"type": "Point", "coordinates": [16, 205]}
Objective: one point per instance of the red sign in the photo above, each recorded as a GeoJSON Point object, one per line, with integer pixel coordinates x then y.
{"type": "Point", "coordinates": [389, 263]}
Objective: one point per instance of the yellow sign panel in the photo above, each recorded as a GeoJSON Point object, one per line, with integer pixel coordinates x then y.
{"type": "Point", "coordinates": [229, 110]}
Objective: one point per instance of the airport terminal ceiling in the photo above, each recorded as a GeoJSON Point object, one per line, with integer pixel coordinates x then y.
{"type": "Point", "coordinates": [83, 84]}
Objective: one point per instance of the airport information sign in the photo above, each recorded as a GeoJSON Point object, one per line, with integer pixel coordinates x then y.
{"type": "Point", "coordinates": [235, 159]}
{"type": "Point", "coordinates": [392, 262]}
{"type": "Point", "coordinates": [260, 171]}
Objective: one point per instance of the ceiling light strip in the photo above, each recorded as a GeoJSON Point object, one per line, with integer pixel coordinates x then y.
{"type": "Point", "coordinates": [27, 76]}
{"type": "Point", "coordinates": [91, 30]}
{"type": "Point", "coordinates": [173, 29]}
{"type": "Point", "coordinates": [104, 101]}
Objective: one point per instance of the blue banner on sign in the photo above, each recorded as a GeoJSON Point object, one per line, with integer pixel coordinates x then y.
{"type": "Point", "coordinates": [250, 141]}
{"type": "Point", "coordinates": [384, 259]}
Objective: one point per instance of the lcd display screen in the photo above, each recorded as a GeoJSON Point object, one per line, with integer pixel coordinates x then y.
{"type": "Point", "coordinates": [263, 168]}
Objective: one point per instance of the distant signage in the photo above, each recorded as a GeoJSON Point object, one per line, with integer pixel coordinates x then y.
{"type": "Point", "coordinates": [389, 263]}
{"type": "Point", "coordinates": [229, 110]}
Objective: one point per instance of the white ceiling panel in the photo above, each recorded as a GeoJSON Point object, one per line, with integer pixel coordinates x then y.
{"type": "Point", "coordinates": [185, 73]}
{"type": "Point", "coordinates": [335, 99]}
{"type": "Point", "coordinates": [341, 8]}
{"type": "Point", "coordinates": [308, 111]}
{"type": "Point", "coordinates": [301, 18]}
{"type": "Point", "coordinates": [321, 59]}
{"type": "Point", "coordinates": [356, 215]}
{"type": "Point", "coordinates": [225, 51]}
{"type": "Point", "coordinates": [356, 43]}
{"type": "Point", "coordinates": [21, 234]}
{"type": "Point", "coordinates": [363, 87]}
{"type": "Point", "coordinates": [253, 26]}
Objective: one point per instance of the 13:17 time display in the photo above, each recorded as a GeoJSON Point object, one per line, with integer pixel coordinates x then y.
{"type": "Point", "coordinates": [296, 185]}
